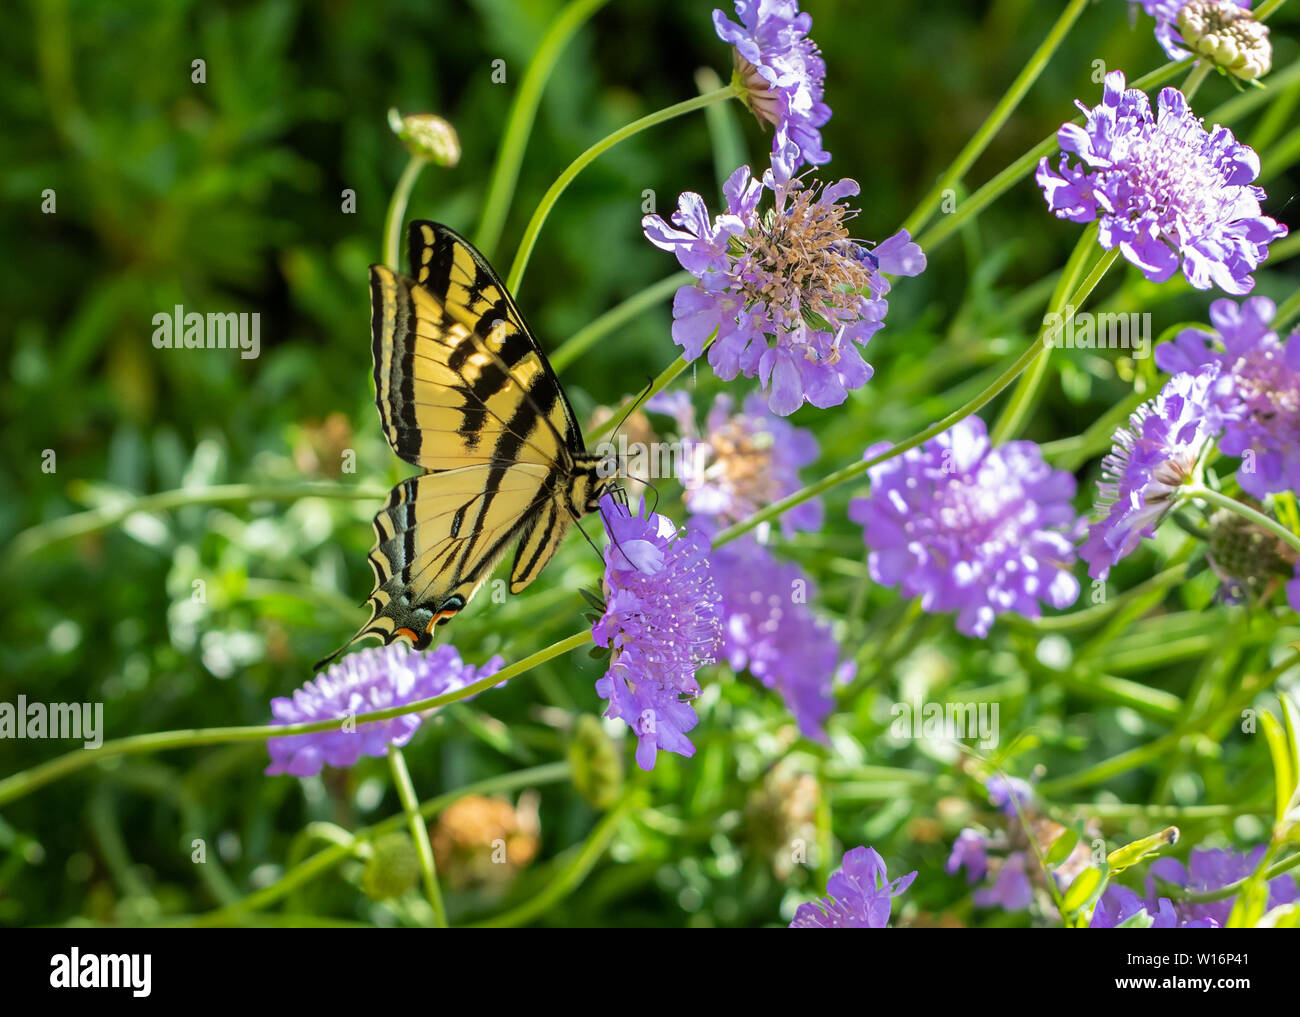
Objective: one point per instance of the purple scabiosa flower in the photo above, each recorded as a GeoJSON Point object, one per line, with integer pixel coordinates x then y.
{"type": "Point", "coordinates": [1118, 904]}
{"type": "Point", "coordinates": [1164, 189]}
{"type": "Point", "coordinates": [1009, 795]}
{"type": "Point", "coordinates": [788, 296]}
{"type": "Point", "coordinates": [768, 628]}
{"type": "Point", "coordinates": [743, 461]}
{"type": "Point", "coordinates": [1150, 460]}
{"type": "Point", "coordinates": [373, 679]}
{"type": "Point", "coordinates": [1011, 889]}
{"type": "Point", "coordinates": [662, 622]}
{"type": "Point", "coordinates": [781, 70]}
{"type": "Point", "coordinates": [969, 853]}
{"type": "Point", "coordinates": [971, 528]}
{"type": "Point", "coordinates": [860, 895]}
{"type": "Point", "coordinates": [1257, 395]}
{"type": "Point", "coordinates": [1210, 869]}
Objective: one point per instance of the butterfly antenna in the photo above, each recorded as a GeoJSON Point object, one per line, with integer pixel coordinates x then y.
{"type": "Point", "coordinates": [634, 404]}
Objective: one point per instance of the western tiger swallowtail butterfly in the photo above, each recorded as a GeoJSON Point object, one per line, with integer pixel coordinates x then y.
{"type": "Point", "coordinates": [465, 393]}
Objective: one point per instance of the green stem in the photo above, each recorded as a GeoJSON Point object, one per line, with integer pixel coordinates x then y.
{"type": "Point", "coordinates": [1194, 80]}
{"type": "Point", "coordinates": [1022, 399]}
{"type": "Point", "coordinates": [419, 833]}
{"type": "Point", "coordinates": [582, 340]}
{"type": "Point", "coordinates": [80, 524]}
{"type": "Point", "coordinates": [1231, 890]}
{"type": "Point", "coordinates": [323, 861]}
{"type": "Point", "coordinates": [523, 113]}
{"type": "Point", "coordinates": [1245, 511]}
{"type": "Point", "coordinates": [1267, 9]}
{"type": "Point", "coordinates": [563, 884]}
{"type": "Point", "coordinates": [579, 164]}
{"type": "Point", "coordinates": [397, 212]}
{"type": "Point", "coordinates": [26, 781]}
{"type": "Point", "coordinates": [855, 470]}
{"type": "Point", "coordinates": [666, 378]}
{"type": "Point", "coordinates": [1021, 168]}
{"type": "Point", "coordinates": [1001, 112]}
{"type": "Point", "coordinates": [1289, 309]}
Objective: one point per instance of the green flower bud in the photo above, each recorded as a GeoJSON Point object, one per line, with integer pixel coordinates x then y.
{"type": "Point", "coordinates": [1245, 554]}
{"type": "Point", "coordinates": [428, 136]}
{"type": "Point", "coordinates": [393, 867]}
{"type": "Point", "coordinates": [1228, 35]}
{"type": "Point", "coordinates": [597, 764]}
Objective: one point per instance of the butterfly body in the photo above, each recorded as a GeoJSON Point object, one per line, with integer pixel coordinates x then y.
{"type": "Point", "coordinates": [465, 392]}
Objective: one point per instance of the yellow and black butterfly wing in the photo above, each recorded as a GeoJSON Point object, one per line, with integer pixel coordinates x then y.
{"type": "Point", "coordinates": [458, 373]}
{"type": "Point", "coordinates": [465, 392]}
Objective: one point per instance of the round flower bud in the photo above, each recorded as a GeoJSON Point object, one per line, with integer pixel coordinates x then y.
{"type": "Point", "coordinates": [1246, 555]}
{"type": "Point", "coordinates": [393, 868]}
{"type": "Point", "coordinates": [427, 135]}
{"type": "Point", "coordinates": [596, 762]}
{"type": "Point", "coordinates": [1228, 35]}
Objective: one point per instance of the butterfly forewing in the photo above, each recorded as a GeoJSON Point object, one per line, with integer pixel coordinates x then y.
{"type": "Point", "coordinates": [464, 392]}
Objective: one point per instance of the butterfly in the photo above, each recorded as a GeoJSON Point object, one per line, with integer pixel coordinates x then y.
{"type": "Point", "coordinates": [465, 392]}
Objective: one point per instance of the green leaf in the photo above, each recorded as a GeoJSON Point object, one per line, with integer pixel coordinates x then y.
{"type": "Point", "coordinates": [1130, 854]}
{"type": "Point", "coordinates": [1062, 847]}
{"type": "Point", "coordinates": [1283, 765]}
{"type": "Point", "coordinates": [1086, 888]}
{"type": "Point", "coordinates": [1250, 904]}
{"type": "Point", "coordinates": [1284, 916]}
{"type": "Point", "coordinates": [1141, 920]}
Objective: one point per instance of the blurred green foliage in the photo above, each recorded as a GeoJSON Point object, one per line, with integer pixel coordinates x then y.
{"type": "Point", "coordinates": [228, 195]}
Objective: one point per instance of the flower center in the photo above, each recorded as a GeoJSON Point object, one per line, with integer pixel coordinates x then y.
{"type": "Point", "coordinates": [1227, 34]}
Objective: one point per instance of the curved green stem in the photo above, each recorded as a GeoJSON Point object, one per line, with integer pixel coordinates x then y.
{"type": "Point", "coordinates": [419, 833]}
{"type": "Point", "coordinates": [519, 122]}
{"type": "Point", "coordinates": [855, 470]}
{"type": "Point", "coordinates": [325, 860]}
{"type": "Point", "coordinates": [397, 211]}
{"type": "Point", "coordinates": [564, 883]}
{"type": "Point", "coordinates": [996, 119]}
{"type": "Point", "coordinates": [1231, 890]}
{"type": "Point", "coordinates": [1018, 170]}
{"type": "Point", "coordinates": [26, 781]}
{"type": "Point", "coordinates": [1022, 399]}
{"type": "Point", "coordinates": [579, 164]}
{"type": "Point", "coordinates": [582, 340]}
{"type": "Point", "coordinates": [1246, 512]}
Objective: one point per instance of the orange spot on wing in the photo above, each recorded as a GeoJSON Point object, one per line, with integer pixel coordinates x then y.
{"type": "Point", "coordinates": [406, 633]}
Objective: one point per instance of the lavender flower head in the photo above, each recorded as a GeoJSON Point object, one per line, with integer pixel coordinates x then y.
{"type": "Point", "coordinates": [971, 528]}
{"type": "Point", "coordinates": [969, 852]}
{"type": "Point", "coordinates": [662, 621]}
{"type": "Point", "coordinates": [861, 895]}
{"type": "Point", "coordinates": [1118, 904]}
{"type": "Point", "coordinates": [786, 296]}
{"type": "Point", "coordinates": [1165, 190]}
{"type": "Point", "coordinates": [1011, 890]}
{"type": "Point", "coordinates": [1257, 395]}
{"type": "Point", "coordinates": [781, 70]}
{"type": "Point", "coordinates": [373, 679]}
{"type": "Point", "coordinates": [1150, 460]}
{"type": "Point", "coordinates": [1009, 795]}
{"type": "Point", "coordinates": [1211, 869]}
{"type": "Point", "coordinates": [768, 628]}
{"type": "Point", "coordinates": [744, 461]}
